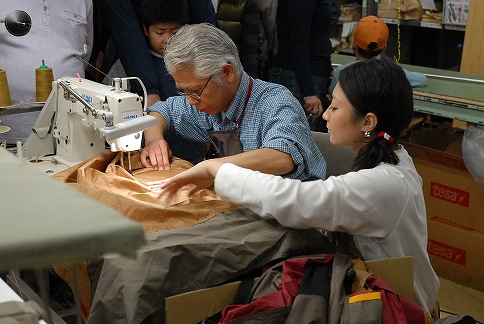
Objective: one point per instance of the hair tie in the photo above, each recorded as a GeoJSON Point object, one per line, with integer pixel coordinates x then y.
{"type": "Point", "coordinates": [386, 136]}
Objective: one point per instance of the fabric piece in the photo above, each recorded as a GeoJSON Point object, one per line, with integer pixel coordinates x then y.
{"type": "Point", "coordinates": [181, 260]}
{"type": "Point", "coordinates": [104, 179]}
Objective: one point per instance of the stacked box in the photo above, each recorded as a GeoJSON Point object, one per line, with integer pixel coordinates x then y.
{"type": "Point", "coordinates": [450, 191]}
{"type": "Point", "coordinates": [410, 9]}
{"type": "Point", "coordinates": [455, 212]}
{"type": "Point", "coordinates": [455, 12]}
{"type": "Point", "coordinates": [456, 252]}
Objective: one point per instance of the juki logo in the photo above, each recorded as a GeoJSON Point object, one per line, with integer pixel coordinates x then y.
{"type": "Point", "coordinates": [128, 117]}
{"type": "Point", "coordinates": [447, 252]}
{"type": "Point", "coordinates": [449, 194]}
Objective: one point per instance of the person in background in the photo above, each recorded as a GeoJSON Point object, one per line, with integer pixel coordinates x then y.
{"type": "Point", "coordinates": [160, 20]}
{"type": "Point", "coordinates": [378, 207]}
{"type": "Point", "coordinates": [122, 21]}
{"type": "Point", "coordinates": [303, 59]}
{"type": "Point", "coordinates": [60, 31]}
{"type": "Point", "coordinates": [241, 20]}
{"type": "Point", "coordinates": [370, 39]}
{"type": "Point", "coordinates": [249, 122]}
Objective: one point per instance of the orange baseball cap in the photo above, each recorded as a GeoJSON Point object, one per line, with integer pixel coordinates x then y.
{"type": "Point", "coordinates": [370, 34]}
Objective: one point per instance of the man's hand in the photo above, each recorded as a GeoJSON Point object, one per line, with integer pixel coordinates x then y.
{"type": "Point", "coordinates": [313, 105]}
{"type": "Point", "coordinates": [159, 155]}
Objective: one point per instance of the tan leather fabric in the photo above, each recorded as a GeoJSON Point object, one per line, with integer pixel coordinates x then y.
{"type": "Point", "coordinates": [104, 179]}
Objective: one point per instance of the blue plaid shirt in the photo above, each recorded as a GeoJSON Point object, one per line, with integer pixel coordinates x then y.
{"type": "Point", "coordinates": [273, 118]}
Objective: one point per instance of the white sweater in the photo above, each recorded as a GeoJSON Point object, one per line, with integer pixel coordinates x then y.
{"type": "Point", "coordinates": [383, 208]}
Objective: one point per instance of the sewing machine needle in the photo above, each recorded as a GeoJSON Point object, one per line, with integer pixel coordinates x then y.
{"type": "Point", "coordinates": [129, 161]}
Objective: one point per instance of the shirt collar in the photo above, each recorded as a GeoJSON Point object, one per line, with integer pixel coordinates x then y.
{"type": "Point", "coordinates": [237, 105]}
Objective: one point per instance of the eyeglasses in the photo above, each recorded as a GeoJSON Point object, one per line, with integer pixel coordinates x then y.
{"type": "Point", "coordinates": [194, 95]}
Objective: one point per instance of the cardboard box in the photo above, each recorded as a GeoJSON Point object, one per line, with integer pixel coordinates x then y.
{"type": "Point", "coordinates": [409, 9]}
{"type": "Point", "coordinates": [350, 12]}
{"type": "Point", "coordinates": [455, 12]}
{"type": "Point", "coordinates": [398, 272]}
{"type": "Point", "coordinates": [456, 252]}
{"type": "Point", "coordinates": [449, 189]}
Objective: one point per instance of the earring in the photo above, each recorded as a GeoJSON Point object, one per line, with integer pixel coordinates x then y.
{"type": "Point", "coordinates": [367, 134]}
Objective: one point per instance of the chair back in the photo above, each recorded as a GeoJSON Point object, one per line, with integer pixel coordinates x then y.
{"type": "Point", "coordinates": [338, 159]}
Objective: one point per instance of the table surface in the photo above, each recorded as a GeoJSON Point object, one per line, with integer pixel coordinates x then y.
{"type": "Point", "coordinates": [46, 222]}
{"type": "Point", "coordinates": [451, 87]}
{"type": "Point", "coordinates": [448, 94]}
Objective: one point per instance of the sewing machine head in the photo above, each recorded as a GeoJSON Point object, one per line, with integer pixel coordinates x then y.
{"type": "Point", "coordinates": [80, 116]}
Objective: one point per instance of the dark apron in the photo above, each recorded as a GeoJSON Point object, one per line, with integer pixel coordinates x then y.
{"type": "Point", "coordinates": [227, 142]}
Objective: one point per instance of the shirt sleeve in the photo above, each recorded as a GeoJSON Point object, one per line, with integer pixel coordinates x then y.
{"type": "Point", "coordinates": [360, 203]}
{"type": "Point", "coordinates": [182, 117]}
{"type": "Point", "coordinates": [416, 79]}
{"type": "Point", "coordinates": [285, 128]}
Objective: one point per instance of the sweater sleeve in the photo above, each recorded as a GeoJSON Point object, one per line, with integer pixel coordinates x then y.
{"type": "Point", "coordinates": [360, 203]}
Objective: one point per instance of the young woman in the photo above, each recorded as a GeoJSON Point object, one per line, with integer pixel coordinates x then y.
{"type": "Point", "coordinates": [380, 204]}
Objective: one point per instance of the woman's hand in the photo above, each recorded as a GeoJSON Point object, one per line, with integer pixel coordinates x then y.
{"type": "Point", "coordinates": [201, 176]}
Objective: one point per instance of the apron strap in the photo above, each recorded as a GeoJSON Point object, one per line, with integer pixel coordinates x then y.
{"type": "Point", "coordinates": [251, 83]}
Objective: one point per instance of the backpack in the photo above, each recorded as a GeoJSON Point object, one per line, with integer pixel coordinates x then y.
{"type": "Point", "coordinates": [323, 288]}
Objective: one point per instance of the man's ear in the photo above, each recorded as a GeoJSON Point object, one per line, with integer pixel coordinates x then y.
{"type": "Point", "coordinates": [145, 30]}
{"type": "Point", "coordinates": [229, 72]}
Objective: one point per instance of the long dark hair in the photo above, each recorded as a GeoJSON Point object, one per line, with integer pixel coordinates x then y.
{"type": "Point", "coordinates": [379, 86]}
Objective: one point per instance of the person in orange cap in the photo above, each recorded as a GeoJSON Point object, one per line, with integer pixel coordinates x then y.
{"type": "Point", "coordinates": [370, 39]}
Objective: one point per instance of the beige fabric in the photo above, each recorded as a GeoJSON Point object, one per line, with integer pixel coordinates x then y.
{"type": "Point", "coordinates": [104, 179]}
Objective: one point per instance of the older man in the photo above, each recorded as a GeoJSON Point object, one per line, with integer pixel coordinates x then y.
{"type": "Point", "coordinates": [251, 123]}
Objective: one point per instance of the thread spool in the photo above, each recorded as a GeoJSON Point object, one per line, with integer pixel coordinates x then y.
{"type": "Point", "coordinates": [43, 82]}
{"type": "Point", "coordinates": [5, 99]}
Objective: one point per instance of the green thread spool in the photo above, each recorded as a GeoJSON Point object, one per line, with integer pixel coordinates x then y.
{"type": "Point", "coordinates": [5, 99]}
{"type": "Point", "coordinates": [43, 82]}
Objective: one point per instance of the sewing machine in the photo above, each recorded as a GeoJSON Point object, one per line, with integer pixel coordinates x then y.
{"type": "Point", "coordinates": [80, 116]}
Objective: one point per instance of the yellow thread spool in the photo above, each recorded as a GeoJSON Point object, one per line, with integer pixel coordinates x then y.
{"type": "Point", "coordinates": [5, 99]}
{"type": "Point", "coordinates": [43, 82]}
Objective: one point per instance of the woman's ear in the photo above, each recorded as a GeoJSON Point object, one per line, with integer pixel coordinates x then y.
{"type": "Point", "coordinates": [371, 120]}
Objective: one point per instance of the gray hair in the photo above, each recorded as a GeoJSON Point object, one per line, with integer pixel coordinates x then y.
{"type": "Point", "coordinates": [203, 47]}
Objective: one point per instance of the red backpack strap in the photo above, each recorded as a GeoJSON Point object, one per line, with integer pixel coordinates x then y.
{"type": "Point", "coordinates": [292, 275]}
{"type": "Point", "coordinates": [397, 308]}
